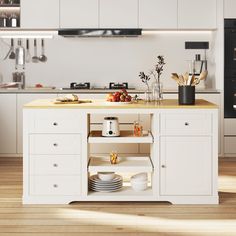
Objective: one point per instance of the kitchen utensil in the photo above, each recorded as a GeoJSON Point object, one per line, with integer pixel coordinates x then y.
{"type": "Point", "coordinates": [11, 52]}
{"type": "Point", "coordinates": [28, 55]}
{"type": "Point", "coordinates": [110, 127]}
{"type": "Point", "coordinates": [20, 56]}
{"type": "Point", "coordinates": [203, 75]}
{"type": "Point", "coordinates": [106, 176]}
{"type": "Point", "coordinates": [176, 78]}
{"type": "Point", "coordinates": [35, 58]}
{"type": "Point", "coordinates": [43, 58]}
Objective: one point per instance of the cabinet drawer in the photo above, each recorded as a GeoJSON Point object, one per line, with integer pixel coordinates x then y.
{"type": "Point", "coordinates": [55, 185]}
{"type": "Point", "coordinates": [182, 124]}
{"type": "Point", "coordinates": [53, 144]}
{"type": "Point", "coordinates": [54, 165]}
{"type": "Point", "coordinates": [56, 121]}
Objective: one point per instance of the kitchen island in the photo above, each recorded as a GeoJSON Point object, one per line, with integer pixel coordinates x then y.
{"type": "Point", "coordinates": [182, 164]}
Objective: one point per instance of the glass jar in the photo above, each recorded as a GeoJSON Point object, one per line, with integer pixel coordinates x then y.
{"type": "Point", "coordinates": [147, 96]}
{"type": "Point", "coordinates": [157, 91]}
{"type": "Point", "coordinates": [138, 129]}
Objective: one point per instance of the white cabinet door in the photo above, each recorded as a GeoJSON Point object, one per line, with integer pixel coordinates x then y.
{"type": "Point", "coordinates": [21, 100]}
{"type": "Point", "coordinates": [229, 9]}
{"type": "Point", "coordinates": [8, 124]}
{"type": "Point", "coordinates": [158, 14]}
{"type": "Point", "coordinates": [186, 164]}
{"type": "Point", "coordinates": [118, 13]}
{"type": "Point", "coordinates": [79, 13]}
{"type": "Point", "coordinates": [200, 14]}
{"type": "Point", "coordinates": [40, 14]}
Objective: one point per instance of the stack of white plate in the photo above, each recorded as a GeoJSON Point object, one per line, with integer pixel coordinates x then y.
{"type": "Point", "coordinates": [98, 185]}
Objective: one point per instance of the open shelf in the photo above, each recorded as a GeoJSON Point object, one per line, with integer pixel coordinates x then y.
{"type": "Point", "coordinates": [126, 191]}
{"type": "Point", "coordinates": [125, 164]}
{"type": "Point", "coordinates": [9, 5]}
{"type": "Point", "coordinates": [125, 137]}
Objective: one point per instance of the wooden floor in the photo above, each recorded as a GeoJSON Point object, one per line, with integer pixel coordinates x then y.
{"type": "Point", "coordinates": [114, 218]}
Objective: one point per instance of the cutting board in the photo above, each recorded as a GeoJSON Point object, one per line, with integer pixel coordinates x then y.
{"type": "Point", "coordinates": [73, 102]}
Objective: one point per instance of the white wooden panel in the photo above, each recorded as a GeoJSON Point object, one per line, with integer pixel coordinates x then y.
{"type": "Point", "coordinates": [158, 14]}
{"type": "Point", "coordinates": [55, 165]}
{"type": "Point", "coordinates": [230, 127]}
{"type": "Point", "coordinates": [120, 148]}
{"type": "Point", "coordinates": [21, 100]}
{"type": "Point", "coordinates": [8, 124]}
{"type": "Point", "coordinates": [229, 9]}
{"type": "Point", "coordinates": [230, 145]}
{"type": "Point", "coordinates": [41, 14]}
{"type": "Point", "coordinates": [186, 123]}
{"type": "Point", "coordinates": [55, 144]}
{"type": "Point", "coordinates": [199, 14]}
{"type": "Point", "coordinates": [118, 13]}
{"type": "Point", "coordinates": [187, 164]}
{"type": "Point", "coordinates": [79, 13]}
{"type": "Point", "coordinates": [55, 185]}
{"type": "Point", "coordinates": [122, 118]}
{"type": "Point", "coordinates": [56, 121]}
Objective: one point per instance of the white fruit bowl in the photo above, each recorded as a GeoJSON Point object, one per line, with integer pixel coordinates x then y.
{"type": "Point", "coordinates": [106, 176]}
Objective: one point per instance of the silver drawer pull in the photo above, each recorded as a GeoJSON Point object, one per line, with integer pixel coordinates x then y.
{"type": "Point", "coordinates": [55, 165]}
{"type": "Point", "coordinates": [163, 166]}
{"type": "Point", "coordinates": [55, 144]}
{"type": "Point", "coordinates": [55, 186]}
{"type": "Point", "coordinates": [55, 124]}
{"type": "Point", "coordinates": [186, 124]}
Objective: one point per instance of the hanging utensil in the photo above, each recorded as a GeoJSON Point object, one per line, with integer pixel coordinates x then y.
{"type": "Point", "coordinates": [28, 56]}
{"type": "Point", "coordinates": [35, 58]}
{"type": "Point", "coordinates": [20, 56]}
{"type": "Point", "coordinates": [11, 54]}
{"type": "Point", "coordinates": [43, 58]}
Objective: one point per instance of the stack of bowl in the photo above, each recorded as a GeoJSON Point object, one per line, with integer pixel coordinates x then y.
{"type": "Point", "coordinates": [139, 182]}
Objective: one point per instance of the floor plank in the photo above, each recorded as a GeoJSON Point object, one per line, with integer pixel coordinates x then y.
{"type": "Point", "coordinates": [107, 218]}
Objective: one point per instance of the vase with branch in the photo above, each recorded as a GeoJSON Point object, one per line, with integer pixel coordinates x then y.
{"type": "Point", "coordinates": [157, 87]}
{"type": "Point", "coordinates": [145, 79]}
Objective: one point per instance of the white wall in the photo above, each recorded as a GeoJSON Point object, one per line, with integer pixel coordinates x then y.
{"type": "Point", "coordinates": [101, 60]}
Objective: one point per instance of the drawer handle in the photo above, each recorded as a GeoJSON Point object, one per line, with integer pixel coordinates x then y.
{"type": "Point", "coordinates": [163, 166]}
{"type": "Point", "coordinates": [55, 186]}
{"type": "Point", "coordinates": [55, 124]}
{"type": "Point", "coordinates": [186, 124]}
{"type": "Point", "coordinates": [55, 165]}
{"type": "Point", "coordinates": [55, 144]}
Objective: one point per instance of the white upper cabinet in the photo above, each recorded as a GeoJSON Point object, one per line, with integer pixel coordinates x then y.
{"type": "Point", "coordinates": [197, 14]}
{"type": "Point", "coordinates": [158, 14]}
{"type": "Point", "coordinates": [40, 14]}
{"type": "Point", "coordinates": [79, 13]}
{"type": "Point", "coordinates": [229, 9]}
{"type": "Point", "coordinates": [118, 13]}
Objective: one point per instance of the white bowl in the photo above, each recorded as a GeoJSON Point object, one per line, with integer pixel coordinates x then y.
{"type": "Point", "coordinates": [139, 177]}
{"type": "Point", "coordinates": [139, 185]}
{"type": "Point", "coordinates": [106, 176]}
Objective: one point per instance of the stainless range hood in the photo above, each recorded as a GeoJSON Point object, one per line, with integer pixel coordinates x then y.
{"type": "Point", "coordinates": [100, 32]}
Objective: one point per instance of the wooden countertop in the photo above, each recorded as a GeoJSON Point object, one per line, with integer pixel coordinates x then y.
{"type": "Point", "coordinates": [102, 104]}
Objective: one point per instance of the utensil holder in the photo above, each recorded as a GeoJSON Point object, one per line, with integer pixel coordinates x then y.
{"type": "Point", "coordinates": [186, 95]}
